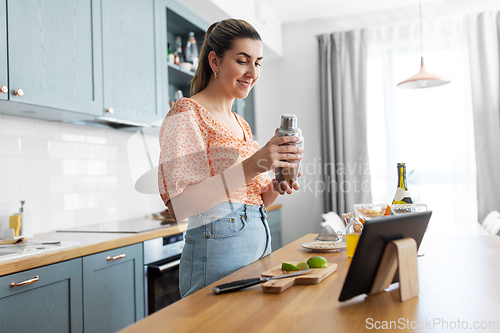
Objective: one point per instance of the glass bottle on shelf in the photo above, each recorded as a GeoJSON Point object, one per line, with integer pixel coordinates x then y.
{"type": "Point", "coordinates": [402, 195]}
{"type": "Point", "coordinates": [192, 51]}
{"type": "Point", "coordinates": [170, 54]}
{"type": "Point", "coordinates": [179, 56]}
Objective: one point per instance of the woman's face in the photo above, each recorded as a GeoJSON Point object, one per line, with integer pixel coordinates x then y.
{"type": "Point", "coordinates": [239, 69]}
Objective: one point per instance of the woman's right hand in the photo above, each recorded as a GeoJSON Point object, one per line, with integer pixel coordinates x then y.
{"type": "Point", "coordinates": [276, 154]}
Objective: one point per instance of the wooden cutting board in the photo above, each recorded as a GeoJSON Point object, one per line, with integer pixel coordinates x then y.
{"type": "Point", "coordinates": [280, 285]}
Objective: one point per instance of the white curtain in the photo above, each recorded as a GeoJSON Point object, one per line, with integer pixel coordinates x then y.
{"type": "Point", "coordinates": [342, 62]}
{"type": "Point", "coordinates": [429, 129]}
{"type": "Point", "coordinates": [484, 44]}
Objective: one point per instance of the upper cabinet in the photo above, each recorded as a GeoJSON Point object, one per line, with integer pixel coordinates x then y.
{"type": "Point", "coordinates": [102, 60]}
{"type": "Point", "coordinates": [132, 83]}
{"type": "Point", "coordinates": [4, 90]}
{"type": "Point", "coordinates": [54, 56]}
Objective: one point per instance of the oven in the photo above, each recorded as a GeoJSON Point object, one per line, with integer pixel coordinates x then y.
{"type": "Point", "coordinates": [161, 271]}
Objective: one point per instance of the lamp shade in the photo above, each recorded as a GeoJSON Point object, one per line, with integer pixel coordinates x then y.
{"type": "Point", "coordinates": [423, 79]}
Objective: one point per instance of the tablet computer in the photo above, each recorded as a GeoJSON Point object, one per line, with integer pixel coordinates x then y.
{"type": "Point", "coordinates": [376, 234]}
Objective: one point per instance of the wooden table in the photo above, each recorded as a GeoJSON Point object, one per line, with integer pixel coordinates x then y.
{"type": "Point", "coordinates": [459, 279]}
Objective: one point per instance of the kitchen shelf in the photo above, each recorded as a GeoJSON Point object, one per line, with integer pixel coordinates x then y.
{"type": "Point", "coordinates": [181, 23]}
{"type": "Point", "coordinates": [179, 77]}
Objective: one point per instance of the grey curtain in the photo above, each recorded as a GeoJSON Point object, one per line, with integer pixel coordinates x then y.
{"type": "Point", "coordinates": [343, 81]}
{"type": "Point", "coordinates": [484, 54]}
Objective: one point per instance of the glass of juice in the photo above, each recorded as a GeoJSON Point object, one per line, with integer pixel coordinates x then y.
{"type": "Point", "coordinates": [353, 232]}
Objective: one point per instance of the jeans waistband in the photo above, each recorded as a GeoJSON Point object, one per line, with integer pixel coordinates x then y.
{"type": "Point", "coordinates": [227, 208]}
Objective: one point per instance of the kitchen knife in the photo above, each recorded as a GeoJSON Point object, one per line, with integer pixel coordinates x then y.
{"type": "Point", "coordinates": [241, 284]}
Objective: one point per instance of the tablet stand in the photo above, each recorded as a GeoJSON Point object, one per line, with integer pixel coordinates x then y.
{"type": "Point", "coordinates": [405, 252]}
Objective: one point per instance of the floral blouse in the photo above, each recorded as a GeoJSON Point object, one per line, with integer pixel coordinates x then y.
{"type": "Point", "coordinates": [196, 146]}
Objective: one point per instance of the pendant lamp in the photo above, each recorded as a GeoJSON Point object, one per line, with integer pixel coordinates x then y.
{"type": "Point", "coordinates": [423, 79]}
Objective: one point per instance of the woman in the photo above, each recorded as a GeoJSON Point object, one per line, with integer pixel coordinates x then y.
{"type": "Point", "coordinates": [211, 171]}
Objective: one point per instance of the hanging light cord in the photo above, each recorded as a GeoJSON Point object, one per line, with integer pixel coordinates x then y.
{"type": "Point", "coordinates": [421, 34]}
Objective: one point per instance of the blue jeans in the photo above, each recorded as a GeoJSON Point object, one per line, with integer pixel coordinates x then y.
{"type": "Point", "coordinates": [224, 239]}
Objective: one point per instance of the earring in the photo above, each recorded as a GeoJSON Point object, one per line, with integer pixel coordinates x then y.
{"type": "Point", "coordinates": [215, 73]}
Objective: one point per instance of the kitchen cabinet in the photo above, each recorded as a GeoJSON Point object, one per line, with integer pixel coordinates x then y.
{"type": "Point", "coordinates": [113, 284]}
{"type": "Point", "coordinates": [51, 303]}
{"type": "Point", "coordinates": [131, 53]}
{"type": "Point", "coordinates": [3, 54]}
{"type": "Point", "coordinates": [54, 58]}
{"type": "Point", "coordinates": [180, 22]}
{"type": "Point", "coordinates": [274, 221]}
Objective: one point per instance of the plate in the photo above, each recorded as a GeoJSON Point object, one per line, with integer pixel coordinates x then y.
{"type": "Point", "coordinates": [324, 246]}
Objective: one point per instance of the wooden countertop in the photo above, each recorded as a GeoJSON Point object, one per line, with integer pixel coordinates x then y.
{"type": "Point", "coordinates": [458, 279]}
{"type": "Point", "coordinates": [90, 243]}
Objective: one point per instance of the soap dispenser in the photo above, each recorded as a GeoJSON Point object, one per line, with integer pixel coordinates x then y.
{"type": "Point", "coordinates": [25, 230]}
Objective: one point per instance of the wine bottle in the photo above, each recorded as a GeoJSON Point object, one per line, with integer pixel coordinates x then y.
{"type": "Point", "coordinates": [402, 195]}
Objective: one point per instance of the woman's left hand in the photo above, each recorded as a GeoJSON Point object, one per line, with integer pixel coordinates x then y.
{"type": "Point", "coordinates": [284, 187]}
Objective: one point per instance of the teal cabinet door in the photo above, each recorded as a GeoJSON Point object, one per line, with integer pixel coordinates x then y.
{"type": "Point", "coordinates": [114, 289]}
{"type": "Point", "coordinates": [4, 89]}
{"type": "Point", "coordinates": [54, 54]}
{"type": "Point", "coordinates": [274, 221]}
{"type": "Point", "coordinates": [51, 303]}
{"type": "Point", "coordinates": [131, 79]}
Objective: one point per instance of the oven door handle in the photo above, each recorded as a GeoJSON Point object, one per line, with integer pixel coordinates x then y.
{"type": "Point", "coordinates": [166, 266]}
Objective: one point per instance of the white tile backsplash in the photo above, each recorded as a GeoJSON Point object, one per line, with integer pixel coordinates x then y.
{"type": "Point", "coordinates": [10, 146]}
{"type": "Point", "coordinates": [34, 185]}
{"type": "Point", "coordinates": [61, 149]}
{"type": "Point", "coordinates": [18, 127]}
{"type": "Point", "coordinates": [107, 183]}
{"type": "Point", "coordinates": [62, 184]}
{"type": "Point", "coordinates": [48, 166]}
{"type": "Point", "coordinates": [97, 168]}
{"type": "Point", "coordinates": [85, 150]}
{"type": "Point", "coordinates": [34, 147]}
{"type": "Point", "coordinates": [69, 175]}
{"type": "Point", "coordinates": [86, 184]}
{"type": "Point", "coordinates": [10, 186]}
{"type": "Point", "coordinates": [18, 166]}
{"type": "Point", "coordinates": [74, 167]}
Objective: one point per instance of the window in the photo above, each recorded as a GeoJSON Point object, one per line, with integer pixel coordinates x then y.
{"type": "Point", "coordinates": [431, 130]}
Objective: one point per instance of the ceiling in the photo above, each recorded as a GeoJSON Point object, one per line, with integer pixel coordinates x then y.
{"type": "Point", "coordinates": [300, 10]}
{"type": "Point", "coordinates": [303, 10]}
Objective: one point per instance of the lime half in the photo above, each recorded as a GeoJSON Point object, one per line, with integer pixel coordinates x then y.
{"type": "Point", "coordinates": [317, 262]}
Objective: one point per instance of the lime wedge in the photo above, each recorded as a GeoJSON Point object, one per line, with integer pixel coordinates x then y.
{"type": "Point", "coordinates": [289, 267]}
{"type": "Point", "coordinates": [317, 262]}
{"type": "Point", "coordinates": [302, 265]}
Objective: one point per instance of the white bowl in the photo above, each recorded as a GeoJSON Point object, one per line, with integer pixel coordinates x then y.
{"type": "Point", "coordinates": [186, 66]}
{"type": "Point", "coordinates": [408, 208]}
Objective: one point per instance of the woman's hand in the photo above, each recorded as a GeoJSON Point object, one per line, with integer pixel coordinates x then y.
{"type": "Point", "coordinates": [284, 187]}
{"type": "Point", "coordinates": [275, 154]}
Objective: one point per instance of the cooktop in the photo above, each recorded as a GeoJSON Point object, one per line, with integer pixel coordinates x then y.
{"type": "Point", "coordinates": [133, 226]}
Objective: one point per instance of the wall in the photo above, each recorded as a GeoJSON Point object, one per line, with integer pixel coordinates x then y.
{"type": "Point", "coordinates": [69, 175]}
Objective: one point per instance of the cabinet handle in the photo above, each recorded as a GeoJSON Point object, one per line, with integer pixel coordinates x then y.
{"type": "Point", "coordinates": [13, 284]}
{"type": "Point", "coordinates": [116, 257]}
{"type": "Point", "coordinates": [4, 89]}
{"type": "Point", "coordinates": [19, 92]}
{"type": "Point", "coordinates": [110, 110]}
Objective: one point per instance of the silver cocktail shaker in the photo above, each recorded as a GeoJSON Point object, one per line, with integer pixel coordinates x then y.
{"type": "Point", "coordinates": [289, 127]}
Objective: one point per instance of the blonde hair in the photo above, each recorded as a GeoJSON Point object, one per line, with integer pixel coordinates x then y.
{"type": "Point", "coordinates": [219, 38]}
